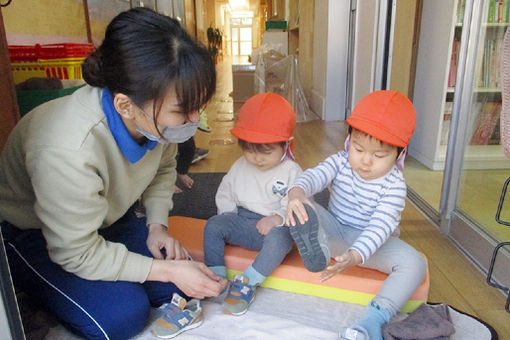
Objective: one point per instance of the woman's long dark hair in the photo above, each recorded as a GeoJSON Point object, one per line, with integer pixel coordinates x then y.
{"type": "Point", "coordinates": [144, 53]}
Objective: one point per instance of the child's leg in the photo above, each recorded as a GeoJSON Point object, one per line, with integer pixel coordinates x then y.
{"type": "Point", "coordinates": [236, 229]}
{"type": "Point", "coordinates": [406, 268]}
{"type": "Point", "coordinates": [276, 245]}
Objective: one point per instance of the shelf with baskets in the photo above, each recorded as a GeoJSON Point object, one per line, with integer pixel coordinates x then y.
{"type": "Point", "coordinates": [61, 61]}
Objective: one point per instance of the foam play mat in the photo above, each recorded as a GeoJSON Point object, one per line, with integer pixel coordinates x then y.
{"type": "Point", "coordinates": [355, 285]}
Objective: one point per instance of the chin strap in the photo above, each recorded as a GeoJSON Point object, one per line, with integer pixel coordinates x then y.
{"type": "Point", "coordinates": [400, 159]}
{"type": "Point", "coordinates": [289, 147]}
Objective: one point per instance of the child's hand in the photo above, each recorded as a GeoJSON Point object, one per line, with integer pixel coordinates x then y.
{"type": "Point", "coordinates": [264, 225]}
{"type": "Point", "coordinates": [296, 206]}
{"type": "Point", "coordinates": [349, 259]}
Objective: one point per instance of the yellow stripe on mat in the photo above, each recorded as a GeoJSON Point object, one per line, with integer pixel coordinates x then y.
{"type": "Point", "coordinates": [345, 295]}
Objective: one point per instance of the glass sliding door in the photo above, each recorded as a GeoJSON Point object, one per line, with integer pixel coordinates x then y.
{"type": "Point", "coordinates": [456, 166]}
{"type": "Point", "coordinates": [481, 167]}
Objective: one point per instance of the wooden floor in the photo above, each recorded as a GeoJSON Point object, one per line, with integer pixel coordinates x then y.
{"type": "Point", "coordinates": [454, 280]}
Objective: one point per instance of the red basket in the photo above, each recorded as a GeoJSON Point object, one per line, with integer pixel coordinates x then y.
{"type": "Point", "coordinates": [31, 53]}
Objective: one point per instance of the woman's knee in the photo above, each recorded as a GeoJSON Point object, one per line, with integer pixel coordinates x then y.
{"type": "Point", "coordinates": [122, 321]}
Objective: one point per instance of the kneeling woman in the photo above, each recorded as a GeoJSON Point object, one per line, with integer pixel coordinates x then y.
{"type": "Point", "coordinates": [73, 168]}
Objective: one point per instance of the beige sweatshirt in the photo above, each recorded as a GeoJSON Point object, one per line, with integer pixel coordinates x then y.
{"type": "Point", "coordinates": [61, 171]}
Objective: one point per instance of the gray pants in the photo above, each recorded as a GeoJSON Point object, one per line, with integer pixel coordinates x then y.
{"type": "Point", "coordinates": [240, 229]}
{"type": "Point", "coordinates": [404, 264]}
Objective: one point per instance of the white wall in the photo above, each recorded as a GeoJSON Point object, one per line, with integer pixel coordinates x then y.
{"type": "Point", "coordinates": [330, 54]}
{"type": "Point", "coordinates": [365, 48]}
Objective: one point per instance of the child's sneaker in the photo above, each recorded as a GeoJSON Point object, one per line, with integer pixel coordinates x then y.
{"type": "Point", "coordinates": [311, 242]}
{"type": "Point", "coordinates": [239, 296]}
{"type": "Point", "coordinates": [179, 316]}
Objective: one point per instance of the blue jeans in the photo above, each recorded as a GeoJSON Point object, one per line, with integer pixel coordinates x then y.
{"type": "Point", "coordinates": [240, 229]}
{"type": "Point", "coordinates": [93, 309]}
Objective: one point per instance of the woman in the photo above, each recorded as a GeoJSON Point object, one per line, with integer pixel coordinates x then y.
{"type": "Point", "coordinates": [74, 167]}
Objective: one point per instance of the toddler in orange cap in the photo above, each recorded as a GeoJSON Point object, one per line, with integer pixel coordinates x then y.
{"type": "Point", "coordinates": [367, 197]}
{"type": "Point", "coordinates": [252, 197]}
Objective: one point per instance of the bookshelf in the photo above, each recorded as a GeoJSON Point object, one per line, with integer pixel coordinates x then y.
{"type": "Point", "coordinates": [442, 24]}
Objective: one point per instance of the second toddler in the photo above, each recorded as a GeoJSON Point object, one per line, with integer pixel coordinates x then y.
{"type": "Point", "coordinates": [368, 193]}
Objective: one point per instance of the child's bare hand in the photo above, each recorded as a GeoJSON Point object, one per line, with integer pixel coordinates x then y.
{"type": "Point", "coordinates": [349, 259]}
{"type": "Point", "coordinates": [264, 225]}
{"type": "Point", "coordinates": [295, 206]}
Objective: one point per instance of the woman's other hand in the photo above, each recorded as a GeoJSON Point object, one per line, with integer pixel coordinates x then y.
{"type": "Point", "coordinates": [159, 239]}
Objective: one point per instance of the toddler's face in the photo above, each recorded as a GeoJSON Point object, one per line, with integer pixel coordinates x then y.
{"type": "Point", "coordinates": [369, 157]}
{"type": "Point", "coordinates": [265, 160]}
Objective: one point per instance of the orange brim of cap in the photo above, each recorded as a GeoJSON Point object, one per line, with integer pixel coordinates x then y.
{"type": "Point", "coordinates": [376, 130]}
{"type": "Point", "coordinates": [255, 136]}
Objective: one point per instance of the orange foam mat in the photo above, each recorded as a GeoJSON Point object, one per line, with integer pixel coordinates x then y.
{"type": "Point", "coordinates": [355, 285]}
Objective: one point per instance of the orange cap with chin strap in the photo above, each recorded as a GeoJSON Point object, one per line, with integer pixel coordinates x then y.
{"type": "Point", "coordinates": [386, 115]}
{"type": "Point", "coordinates": [266, 118]}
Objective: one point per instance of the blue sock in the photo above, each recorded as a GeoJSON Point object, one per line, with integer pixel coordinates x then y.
{"type": "Point", "coordinates": [253, 276]}
{"type": "Point", "coordinates": [373, 319]}
{"type": "Point", "coordinates": [221, 271]}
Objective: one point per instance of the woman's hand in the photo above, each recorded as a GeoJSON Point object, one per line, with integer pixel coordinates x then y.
{"type": "Point", "coordinates": [349, 259]}
{"type": "Point", "coordinates": [296, 206]}
{"type": "Point", "coordinates": [159, 239]}
{"type": "Point", "coordinates": [193, 278]}
{"type": "Point", "coordinates": [265, 224]}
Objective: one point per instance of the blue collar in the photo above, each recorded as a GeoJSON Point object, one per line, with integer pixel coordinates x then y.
{"type": "Point", "coordinates": [129, 147]}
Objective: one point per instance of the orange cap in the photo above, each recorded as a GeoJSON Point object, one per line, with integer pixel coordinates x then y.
{"type": "Point", "coordinates": [386, 115]}
{"type": "Point", "coordinates": [265, 118]}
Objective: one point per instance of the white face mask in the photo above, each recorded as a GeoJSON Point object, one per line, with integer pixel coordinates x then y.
{"type": "Point", "coordinates": [171, 134]}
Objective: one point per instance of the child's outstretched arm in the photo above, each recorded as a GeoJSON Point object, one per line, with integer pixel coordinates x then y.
{"type": "Point", "coordinates": [348, 259]}
{"type": "Point", "coordinates": [297, 198]}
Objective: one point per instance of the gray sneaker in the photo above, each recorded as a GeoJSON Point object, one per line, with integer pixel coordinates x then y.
{"type": "Point", "coordinates": [311, 242]}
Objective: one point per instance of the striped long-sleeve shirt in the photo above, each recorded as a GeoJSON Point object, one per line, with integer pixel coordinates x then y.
{"type": "Point", "coordinates": [373, 206]}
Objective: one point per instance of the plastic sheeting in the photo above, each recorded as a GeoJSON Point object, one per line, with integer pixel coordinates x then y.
{"type": "Point", "coordinates": [279, 74]}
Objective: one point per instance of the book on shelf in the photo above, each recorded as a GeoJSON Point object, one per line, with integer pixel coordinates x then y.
{"type": "Point", "coordinates": [498, 11]}
{"type": "Point", "coordinates": [445, 126]}
{"type": "Point", "coordinates": [496, 135]}
{"type": "Point", "coordinates": [486, 123]}
{"type": "Point", "coordinates": [452, 74]}
{"type": "Point", "coordinates": [489, 76]}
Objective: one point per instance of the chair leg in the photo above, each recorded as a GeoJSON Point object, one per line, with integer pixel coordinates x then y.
{"type": "Point", "coordinates": [489, 274]}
